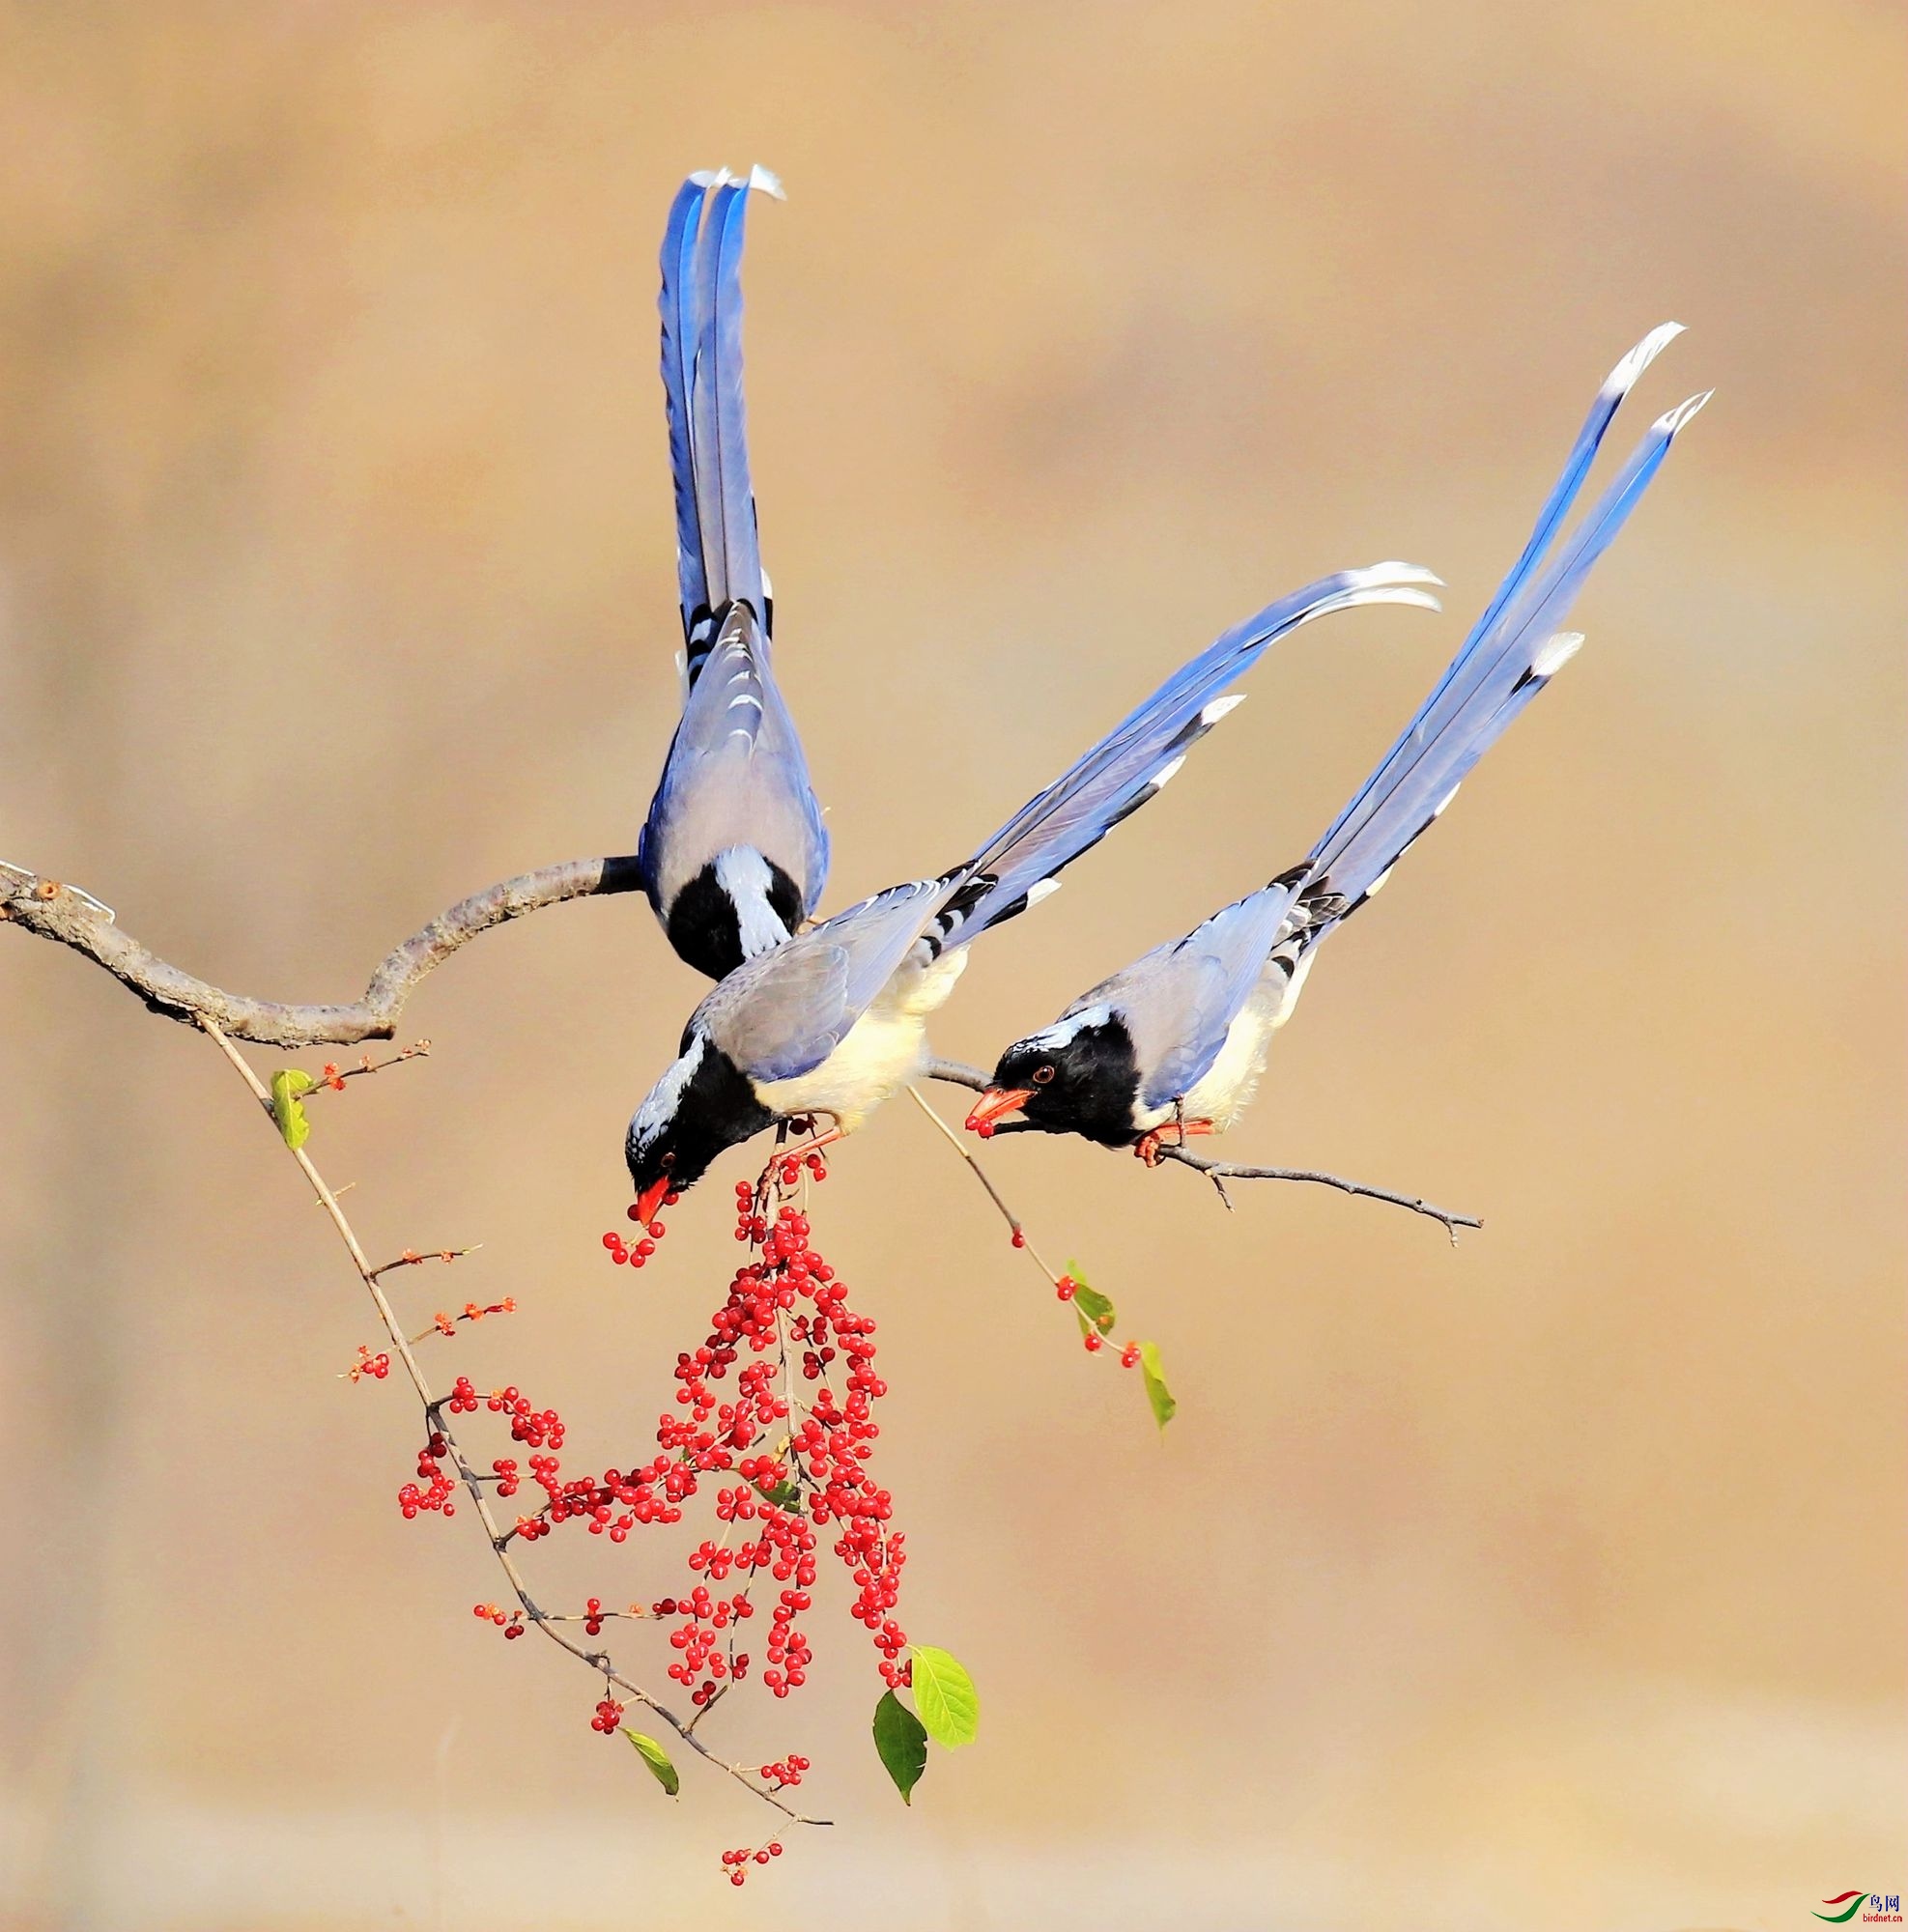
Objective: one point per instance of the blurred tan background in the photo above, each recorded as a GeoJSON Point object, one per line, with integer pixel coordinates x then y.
{"type": "Point", "coordinates": [1552, 1583]}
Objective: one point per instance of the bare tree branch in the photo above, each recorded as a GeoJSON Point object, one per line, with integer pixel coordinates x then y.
{"type": "Point", "coordinates": [955, 1074]}
{"type": "Point", "coordinates": [74, 918]}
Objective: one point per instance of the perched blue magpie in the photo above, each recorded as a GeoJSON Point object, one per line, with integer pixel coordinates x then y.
{"type": "Point", "coordinates": [1173, 1044]}
{"type": "Point", "coordinates": [734, 852]}
{"type": "Point", "coordinates": [834, 1020]}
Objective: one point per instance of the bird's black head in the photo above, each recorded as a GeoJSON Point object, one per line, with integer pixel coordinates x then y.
{"type": "Point", "coordinates": [1078, 1077]}
{"type": "Point", "coordinates": [738, 905]}
{"type": "Point", "coordinates": [703, 1105]}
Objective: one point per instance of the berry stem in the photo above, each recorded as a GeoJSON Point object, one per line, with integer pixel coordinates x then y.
{"type": "Point", "coordinates": [994, 1194]}
{"type": "Point", "coordinates": [437, 1422]}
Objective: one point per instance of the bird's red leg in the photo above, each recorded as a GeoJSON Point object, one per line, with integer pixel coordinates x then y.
{"type": "Point", "coordinates": [795, 1150]}
{"type": "Point", "coordinates": [1172, 1133]}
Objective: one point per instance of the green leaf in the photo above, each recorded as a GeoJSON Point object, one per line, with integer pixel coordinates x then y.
{"type": "Point", "coordinates": [287, 1083]}
{"type": "Point", "coordinates": [1164, 1407]}
{"type": "Point", "coordinates": [944, 1695]}
{"type": "Point", "coordinates": [902, 1741]}
{"type": "Point", "coordinates": [1088, 1304]}
{"type": "Point", "coordinates": [657, 1759]}
{"type": "Point", "coordinates": [786, 1494]}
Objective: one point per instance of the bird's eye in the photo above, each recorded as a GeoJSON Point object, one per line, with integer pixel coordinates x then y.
{"type": "Point", "coordinates": [1042, 1074]}
{"type": "Point", "coordinates": [666, 1162]}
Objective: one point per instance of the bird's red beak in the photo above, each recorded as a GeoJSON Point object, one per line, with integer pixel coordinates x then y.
{"type": "Point", "coordinates": [651, 1199]}
{"type": "Point", "coordinates": [995, 1104]}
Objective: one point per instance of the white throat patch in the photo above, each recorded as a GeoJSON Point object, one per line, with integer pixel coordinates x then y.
{"type": "Point", "coordinates": [743, 873]}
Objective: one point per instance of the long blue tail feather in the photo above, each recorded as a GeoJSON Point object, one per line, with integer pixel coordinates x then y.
{"type": "Point", "coordinates": [1463, 666]}
{"type": "Point", "coordinates": [1501, 667]}
{"type": "Point", "coordinates": [680, 327]}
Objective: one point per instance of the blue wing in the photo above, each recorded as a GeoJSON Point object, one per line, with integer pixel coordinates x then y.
{"type": "Point", "coordinates": [783, 1013]}
{"type": "Point", "coordinates": [1188, 995]}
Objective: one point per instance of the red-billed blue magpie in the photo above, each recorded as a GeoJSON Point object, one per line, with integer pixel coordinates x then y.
{"type": "Point", "coordinates": [1173, 1044]}
{"type": "Point", "coordinates": [834, 1020]}
{"type": "Point", "coordinates": [734, 853]}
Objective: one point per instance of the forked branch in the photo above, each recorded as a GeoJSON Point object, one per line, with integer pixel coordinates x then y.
{"type": "Point", "coordinates": [75, 919]}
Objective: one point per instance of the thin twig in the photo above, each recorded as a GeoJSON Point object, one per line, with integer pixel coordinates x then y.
{"type": "Point", "coordinates": [332, 1080]}
{"type": "Point", "coordinates": [1218, 1173]}
{"type": "Point", "coordinates": [986, 1180]}
{"type": "Point", "coordinates": [438, 1424]}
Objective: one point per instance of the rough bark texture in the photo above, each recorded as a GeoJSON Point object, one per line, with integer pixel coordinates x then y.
{"type": "Point", "coordinates": [74, 918]}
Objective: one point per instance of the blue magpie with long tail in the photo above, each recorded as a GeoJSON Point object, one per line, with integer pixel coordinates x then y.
{"type": "Point", "coordinates": [834, 1020]}
{"type": "Point", "coordinates": [734, 853]}
{"type": "Point", "coordinates": [1173, 1044]}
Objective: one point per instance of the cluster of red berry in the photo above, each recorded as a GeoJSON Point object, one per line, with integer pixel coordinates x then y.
{"type": "Point", "coordinates": [511, 1624]}
{"type": "Point", "coordinates": [1093, 1332]}
{"type": "Point", "coordinates": [439, 1485]}
{"type": "Point", "coordinates": [637, 1254]}
{"type": "Point", "coordinates": [777, 1405]}
{"type": "Point", "coordinates": [377, 1367]}
{"type": "Point", "coordinates": [743, 1857]}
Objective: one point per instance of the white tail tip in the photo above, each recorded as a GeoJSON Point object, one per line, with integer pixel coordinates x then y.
{"type": "Point", "coordinates": [763, 179]}
{"type": "Point", "coordinates": [1041, 888]}
{"type": "Point", "coordinates": [1375, 574]}
{"type": "Point", "coordinates": [1671, 421]}
{"type": "Point", "coordinates": [1557, 652]}
{"type": "Point", "coordinates": [1622, 379]}
{"type": "Point", "coordinates": [1219, 707]}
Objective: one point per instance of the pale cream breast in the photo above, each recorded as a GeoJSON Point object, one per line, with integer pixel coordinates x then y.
{"type": "Point", "coordinates": [881, 1053]}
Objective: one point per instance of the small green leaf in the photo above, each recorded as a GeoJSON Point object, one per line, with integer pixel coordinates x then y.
{"type": "Point", "coordinates": [1088, 1304]}
{"type": "Point", "coordinates": [657, 1759]}
{"type": "Point", "coordinates": [1164, 1407]}
{"type": "Point", "coordinates": [902, 1741]}
{"type": "Point", "coordinates": [287, 1083]}
{"type": "Point", "coordinates": [786, 1494]}
{"type": "Point", "coordinates": [944, 1695]}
